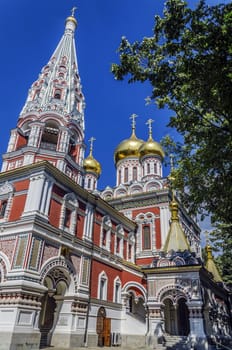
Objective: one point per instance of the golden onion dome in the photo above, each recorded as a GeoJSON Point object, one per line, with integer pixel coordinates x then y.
{"type": "Point", "coordinates": [92, 165]}
{"type": "Point", "coordinates": [128, 148]}
{"type": "Point", "coordinates": [151, 147]}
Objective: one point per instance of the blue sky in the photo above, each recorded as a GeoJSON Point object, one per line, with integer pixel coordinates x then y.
{"type": "Point", "coordinates": [29, 33]}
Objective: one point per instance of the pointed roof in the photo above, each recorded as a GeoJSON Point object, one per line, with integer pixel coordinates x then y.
{"type": "Point", "coordinates": [210, 264]}
{"type": "Point", "coordinates": [59, 83]}
{"type": "Point", "coordinates": [176, 239]}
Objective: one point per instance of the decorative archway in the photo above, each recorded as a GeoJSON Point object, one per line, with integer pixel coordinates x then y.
{"type": "Point", "coordinates": [176, 313]}
{"type": "Point", "coordinates": [57, 277]}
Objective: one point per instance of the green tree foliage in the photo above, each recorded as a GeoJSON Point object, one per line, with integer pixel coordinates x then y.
{"type": "Point", "coordinates": [188, 62]}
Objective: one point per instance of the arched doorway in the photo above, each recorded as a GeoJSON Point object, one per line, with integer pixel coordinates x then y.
{"type": "Point", "coordinates": [183, 317]}
{"type": "Point", "coordinates": [103, 328]}
{"type": "Point", "coordinates": [57, 282]}
{"type": "Point", "coordinates": [176, 317]}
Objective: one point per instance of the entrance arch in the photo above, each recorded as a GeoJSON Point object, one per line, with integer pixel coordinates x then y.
{"type": "Point", "coordinates": [103, 328]}
{"type": "Point", "coordinates": [57, 282]}
{"type": "Point", "coordinates": [176, 316]}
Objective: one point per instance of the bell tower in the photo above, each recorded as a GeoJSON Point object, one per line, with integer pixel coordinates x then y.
{"type": "Point", "coordinates": [51, 124]}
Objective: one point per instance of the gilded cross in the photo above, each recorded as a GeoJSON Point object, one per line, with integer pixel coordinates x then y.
{"type": "Point", "coordinates": [91, 140]}
{"type": "Point", "coordinates": [73, 11]}
{"type": "Point", "coordinates": [133, 117]}
{"type": "Point", "coordinates": [149, 123]}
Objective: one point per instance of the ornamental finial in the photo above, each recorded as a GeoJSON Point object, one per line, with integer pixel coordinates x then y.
{"type": "Point", "coordinates": [133, 117]}
{"type": "Point", "coordinates": [73, 11]}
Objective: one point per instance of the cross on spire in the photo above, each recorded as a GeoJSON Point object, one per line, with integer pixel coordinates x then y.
{"type": "Point", "coordinates": [149, 123]}
{"type": "Point", "coordinates": [73, 11]}
{"type": "Point", "coordinates": [133, 117]}
{"type": "Point", "coordinates": [91, 140]}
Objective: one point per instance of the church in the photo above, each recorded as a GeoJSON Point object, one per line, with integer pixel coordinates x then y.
{"type": "Point", "coordinates": [80, 267]}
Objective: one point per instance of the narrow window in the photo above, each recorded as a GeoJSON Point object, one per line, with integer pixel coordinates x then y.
{"type": "Point", "coordinates": [103, 288]}
{"type": "Point", "coordinates": [129, 251]}
{"type": "Point", "coordinates": [119, 176]}
{"type": "Point", "coordinates": [134, 173]}
{"type": "Point", "coordinates": [126, 175]}
{"type": "Point", "coordinates": [67, 218]}
{"type": "Point", "coordinates": [146, 237]}
{"type": "Point", "coordinates": [104, 233]}
{"type": "Point", "coordinates": [155, 168]}
{"type": "Point", "coordinates": [118, 245]}
{"type": "Point", "coordinates": [117, 292]}
{"type": "Point", "coordinates": [148, 168]}
{"type": "Point", "coordinates": [3, 208]}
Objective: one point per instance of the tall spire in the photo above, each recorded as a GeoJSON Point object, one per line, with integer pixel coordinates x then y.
{"type": "Point", "coordinates": [51, 123]}
{"type": "Point", "coordinates": [58, 87]}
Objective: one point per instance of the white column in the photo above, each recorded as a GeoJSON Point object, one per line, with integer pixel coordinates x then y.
{"type": "Point", "coordinates": [88, 225]}
{"type": "Point", "coordinates": [63, 140]}
{"type": "Point", "coordinates": [197, 334]}
{"type": "Point", "coordinates": [34, 195]}
{"type": "Point", "coordinates": [46, 197]}
{"type": "Point", "coordinates": [12, 141]}
{"type": "Point", "coordinates": [34, 137]}
{"type": "Point", "coordinates": [164, 223]}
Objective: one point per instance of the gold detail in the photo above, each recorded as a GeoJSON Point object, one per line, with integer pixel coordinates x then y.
{"type": "Point", "coordinates": [151, 147]}
{"type": "Point", "coordinates": [129, 147]}
{"type": "Point", "coordinates": [210, 264]}
{"type": "Point", "coordinates": [65, 251]}
{"type": "Point", "coordinates": [71, 19]}
{"type": "Point", "coordinates": [176, 239]}
{"type": "Point", "coordinates": [90, 163]}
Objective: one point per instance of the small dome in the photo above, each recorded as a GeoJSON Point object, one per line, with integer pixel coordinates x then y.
{"type": "Point", "coordinates": [128, 148]}
{"type": "Point", "coordinates": [92, 165]}
{"type": "Point", "coordinates": [151, 147]}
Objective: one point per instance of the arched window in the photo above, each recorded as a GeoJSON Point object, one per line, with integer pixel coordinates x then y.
{"type": "Point", "coordinates": [106, 232]}
{"type": "Point", "coordinates": [50, 135]}
{"type": "Point", "coordinates": [68, 217]}
{"type": "Point", "coordinates": [117, 290]}
{"type": "Point", "coordinates": [102, 286]}
{"type": "Point", "coordinates": [57, 94]}
{"type": "Point", "coordinates": [126, 175]}
{"type": "Point", "coordinates": [134, 173]}
{"type": "Point", "coordinates": [146, 237]}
